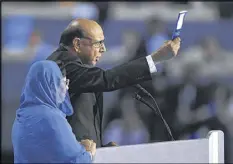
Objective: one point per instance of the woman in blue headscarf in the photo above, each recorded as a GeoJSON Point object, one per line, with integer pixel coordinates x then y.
{"type": "Point", "coordinates": [41, 133]}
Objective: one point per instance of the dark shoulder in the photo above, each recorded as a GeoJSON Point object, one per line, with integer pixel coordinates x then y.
{"type": "Point", "coordinates": [64, 56]}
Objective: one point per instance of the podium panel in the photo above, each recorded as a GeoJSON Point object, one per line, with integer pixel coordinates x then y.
{"type": "Point", "coordinates": [206, 150]}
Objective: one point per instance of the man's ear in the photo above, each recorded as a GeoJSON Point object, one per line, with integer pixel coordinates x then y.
{"type": "Point", "coordinates": [76, 44]}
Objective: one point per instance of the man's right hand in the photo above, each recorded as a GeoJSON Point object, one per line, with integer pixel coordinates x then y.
{"type": "Point", "coordinates": [90, 146]}
{"type": "Point", "coordinates": [167, 51]}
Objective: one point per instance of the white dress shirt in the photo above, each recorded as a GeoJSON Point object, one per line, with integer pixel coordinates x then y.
{"type": "Point", "coordinates": [151, 64]}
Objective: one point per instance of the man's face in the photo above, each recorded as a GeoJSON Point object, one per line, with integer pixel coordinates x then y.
{"type": "Point", "coordinates": [91, 46]}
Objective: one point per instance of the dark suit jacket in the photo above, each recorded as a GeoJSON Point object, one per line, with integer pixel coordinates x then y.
{"type": "Point", "coordinates": [86, 87]}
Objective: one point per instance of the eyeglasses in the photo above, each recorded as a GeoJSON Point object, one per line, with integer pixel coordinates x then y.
{"type": "Point", "coordinates": [97, 44]}
{"type": "Point", "coordinates": [67, 81]}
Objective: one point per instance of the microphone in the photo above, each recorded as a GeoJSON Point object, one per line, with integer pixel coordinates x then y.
{"type": "Point", "coordinates": [158, 112]}
{"type": "Point", "coordinates": [139, 98]}
{"type": "Point", "coordinates": [138, 86]}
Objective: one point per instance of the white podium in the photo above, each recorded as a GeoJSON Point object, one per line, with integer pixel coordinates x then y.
{"type": "Point", "coordinates": [206, 150]}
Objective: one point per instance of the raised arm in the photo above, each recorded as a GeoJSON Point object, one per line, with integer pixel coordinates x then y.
{"type": "Point", "coordinates": [93, 79]}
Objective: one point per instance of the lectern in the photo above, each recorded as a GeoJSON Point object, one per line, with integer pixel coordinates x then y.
{"type": "Point", "coordinates": [205, 150]}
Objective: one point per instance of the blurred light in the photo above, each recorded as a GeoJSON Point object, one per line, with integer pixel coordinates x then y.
{"type": "Point", "coordinates": [66, 4]}
{"type": "Point", "coordinates": [17, 31]}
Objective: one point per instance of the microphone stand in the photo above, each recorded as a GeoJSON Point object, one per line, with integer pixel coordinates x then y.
{"type": "Point", "coordinates": [158, 112]}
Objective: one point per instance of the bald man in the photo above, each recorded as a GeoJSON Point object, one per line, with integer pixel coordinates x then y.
{"type": "Point", "coordinates": [81, 46]}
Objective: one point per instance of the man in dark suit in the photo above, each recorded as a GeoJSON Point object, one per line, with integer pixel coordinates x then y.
{"type": "Point", "coordinates": [81, 46]}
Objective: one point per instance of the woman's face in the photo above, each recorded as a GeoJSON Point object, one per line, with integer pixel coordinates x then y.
{"type": "Point", "coordinates": [61, 93]}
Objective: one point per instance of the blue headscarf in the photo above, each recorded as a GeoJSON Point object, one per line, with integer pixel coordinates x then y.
{"type": "Point", "coordinates": [41, 133]}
